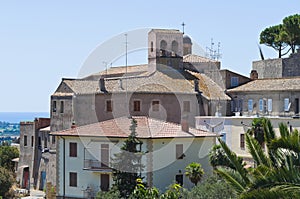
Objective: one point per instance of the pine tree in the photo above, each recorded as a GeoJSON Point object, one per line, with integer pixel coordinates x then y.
{"type": "Point", "coordinates": [127, 164]}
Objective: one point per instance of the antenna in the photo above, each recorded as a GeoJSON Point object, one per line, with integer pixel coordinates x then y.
{"type": "Point", "coordinates": [211, 52]}
{"type": "Point", "coordinates": [105, 63]}
{"type": "Point", "coordinates": [126, 63]}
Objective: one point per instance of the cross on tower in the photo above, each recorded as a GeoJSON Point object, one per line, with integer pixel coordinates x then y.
{"type": "Point", "coordinates": [183, 24]}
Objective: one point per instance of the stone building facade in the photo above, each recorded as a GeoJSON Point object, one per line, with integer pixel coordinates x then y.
{"type": "Point", "coordinates": [278, 68]}
{"type": "Point", "coordinates": [37, 163]}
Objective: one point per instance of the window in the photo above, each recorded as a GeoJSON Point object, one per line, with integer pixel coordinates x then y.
{"type": "Point", "coordinates": [62, 107]}
{"type": "Point", "coordinates": [104, 182]}
{"type": "Point", "coordinates": [174, 48]}
{"type": "Point", "coordinates": [73, 149]}
{"type": "Point", "coordinates": [269, 105]}
{"type": "Point", "coordinates": [151, 46]}
{"type": "Point", "coordinates": [73, 179]}
{"type": "Point", "coordinates": [286, 104]}
{"type": "Point", "coordinates": [109, 107]}
{"type": "Point", "coordinates": [179, 179]}
{"type": "Point", "coordinates": [242, 141]}
{"type": "Point", "coordinates": [250, 105]}
{"type": "Point", "coordinates": [186, 106]}
{"type": "Point", "coordinates": [261, 105]}
{"type": "Point", "coordinates": [136, 105]}
{"type": "Point", "coordinates": [54, 106]}
{"type": "Point", "coordinates": [45, 142]}
{"type": "Point", "coordinates": [155, 105]}
{"type": "Point", "coordinates": [25, 140]}
{"type": "Point", "coordinates": [223, 136]}
{"type": "Point", "coordinates": [179, 151]}
{"type": "Point", "coordinates": [40, 141]}
{"type": "Point", "coordinates": [32, 139]}
{"type": "Point", "coordinates": [104, 155]}
{"type": "Point", "coordinates": [234, 81]}
{"type": "Point", "coordinates": [53, 139]}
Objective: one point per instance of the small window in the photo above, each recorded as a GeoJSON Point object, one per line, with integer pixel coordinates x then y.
{"type": "Point", "coordinates": [109, 106]}
{"type": "Point", "coordinates": [250, 105]}
{"type": "Point", "coordinates": [286, 104]}
{"type": "Point", "coordinates": [53, 139]}
{"type": "Point", "coordinates": [242, 141]}
{"type": "Point", "coordinates": [269, 105]}
{"type": "Point", "coordinates": [136, 105]}
{"type": "Point", "coordinates": [155, 105]}
{"type": "Point", "coordinates": [40, 141]}
{"type": "Point", "coordinates": [179, 179]}
{"type": "Point", "coordinates": [62, 107]}
{"type": "Point", "coordinates": [186, 106]}
{"type": "Point", "coordinates": [73, 179]}
{"type": "Point", "coordinates": [73, 149]}
{"type": "Point", "coordinates": [45, 142]}
{"type": "Point", "coordinates": [261, 105]}
{"type": "Point", "coordinates": [32, 139]}
{"type": "Point", "coordinates": [151, 46]}
{"type": "Point", "coordinates": [234, 81]}
{"type": "Point", "coordinates": [223, 136]}
{"type": "Point", "coordinates": [25, 140]}
{"type": "Point", "coordinates": [179, 151]}
{"type": "Point", "coordinates": [54, 106]}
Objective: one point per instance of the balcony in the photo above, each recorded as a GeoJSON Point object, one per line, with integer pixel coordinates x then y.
{"type": "Point", "coordinates": [96, 165]}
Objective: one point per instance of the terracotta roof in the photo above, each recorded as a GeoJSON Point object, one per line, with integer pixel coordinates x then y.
{"type": "Point", "coordinates": [274, 84]}
{"type": "Point", "coordinates": [164, 80]}
{"type": "Point", "coordinates": [191, 58]}
{"type": "Point", "coordinates": [146, 128]}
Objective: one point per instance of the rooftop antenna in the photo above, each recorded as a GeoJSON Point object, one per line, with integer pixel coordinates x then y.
{"type": "Point", "coordinates": [211, 52]}
{"type": "Point", "coordinates": [183, 24]}
{"type": "Point", "coordinates": [126, 63]}
{"type": "Point", "coordinates": [105, 63]}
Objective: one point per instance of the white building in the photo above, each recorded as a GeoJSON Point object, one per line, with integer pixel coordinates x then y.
{"type": "Point", "coordinates": [84, 154]}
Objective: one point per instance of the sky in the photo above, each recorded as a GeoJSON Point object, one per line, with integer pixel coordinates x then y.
{"type": "Point", "coordinates": [42, 42]}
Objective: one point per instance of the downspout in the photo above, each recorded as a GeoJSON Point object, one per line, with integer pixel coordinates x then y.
{"type": "Point", "coordinates": [64, 168]}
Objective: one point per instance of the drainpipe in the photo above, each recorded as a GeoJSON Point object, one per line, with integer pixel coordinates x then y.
{"type": "Point", "coordinates": [64, 168]}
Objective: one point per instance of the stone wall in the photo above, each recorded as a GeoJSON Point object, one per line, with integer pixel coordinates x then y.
{"type": "Point", "coordinates": [270, 68]}
{"type": "Point", "coordinates": [291, 65]}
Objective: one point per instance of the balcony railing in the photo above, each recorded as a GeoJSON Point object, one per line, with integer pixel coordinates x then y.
{"type": "Point", "coordinates": [96, 165]}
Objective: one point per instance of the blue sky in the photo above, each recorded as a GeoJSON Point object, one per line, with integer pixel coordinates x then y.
{"type": "Point", "coordinates": [43, 41]}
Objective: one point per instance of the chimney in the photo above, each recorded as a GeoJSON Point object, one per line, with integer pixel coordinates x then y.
{"type": "Point", "coordinates": [73, 126]}
{"type": "Point", "coordinates": [184, 125]}
{"type": "Point", "coordinates": [253, 75]}
{"type": "Point", "coordinates": [196, 84]}
{"type": "Point", "coordinates": [102, 84]}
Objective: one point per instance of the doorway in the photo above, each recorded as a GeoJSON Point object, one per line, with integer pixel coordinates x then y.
{"type": "Point", "coordinates": [104, 180]}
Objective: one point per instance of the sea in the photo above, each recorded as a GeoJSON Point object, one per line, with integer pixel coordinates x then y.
{"type": "Point", "coordinates": [17, 117]}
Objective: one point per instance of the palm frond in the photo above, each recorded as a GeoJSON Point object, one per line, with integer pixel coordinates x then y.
{"type": "Point", "coordinates": [256, 151]}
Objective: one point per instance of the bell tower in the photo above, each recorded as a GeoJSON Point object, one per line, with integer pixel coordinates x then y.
{"type": "Point", "coordinates": [165, 48]}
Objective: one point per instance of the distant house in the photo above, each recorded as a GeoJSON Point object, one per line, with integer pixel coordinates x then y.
{"type": "Point", "coordinates": [37, 162]}
{"type": "Point", "coordinates": [85, 152]}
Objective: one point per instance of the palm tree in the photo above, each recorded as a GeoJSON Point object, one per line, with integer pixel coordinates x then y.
{"type": "Point", "coordinates": [277, 172]}
{"type": "Point", "coordinates": [195, 172]}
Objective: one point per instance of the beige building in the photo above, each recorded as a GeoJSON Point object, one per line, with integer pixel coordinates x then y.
{"type": "Point", "coordinates": [167, 88]}
{"type": "Point", "coordinates": [85, 154]}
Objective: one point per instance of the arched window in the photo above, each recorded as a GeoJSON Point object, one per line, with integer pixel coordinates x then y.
{"type": "Point", "coordinates": [174, 48]}
{"type": "Point", "coordinates": [163, 47]}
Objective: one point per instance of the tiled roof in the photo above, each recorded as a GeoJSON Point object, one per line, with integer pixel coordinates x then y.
{"type": "Point", "coordinates": [166, 30]}
{"type": "Point", "coordinates": [120, 71]}
{"type": "Point", "coordinates": [191, 58]}
{"type": "Point", "coordinates": [274, 84]}
{"type": "Point", "coordinates": [146, 128]}
{"type": "Point", "coordinates": [165, 80]}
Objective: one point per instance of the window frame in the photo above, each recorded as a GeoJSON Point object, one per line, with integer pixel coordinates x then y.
{"type": "Point", "coordinates": [286, 103]}
{"type": "Point", "coordinates": [25, 140]}
{"type": "Point", "coordinates": [54, 106]}
{"type": "Point", "coordinates": [109, 105]}
{"type": "Point", "coordinates": [261, 105]}
{"type": "Point", "coordinates": [73, 178]}
{"type": "Point", "coordinates": [250, 105]}
{"type": "Point", "coordinates": [234, 81]}
{"type": "Point", "coordinates": [62, 107]}
{"type": "Point", "coordinates": [242, 141]}
{"type": "Point", "coordinates": [73, 149]}
{"type": "Point", "coordinates": [136, 105]}
{"type": "Point", "coordinates": [270, 105]}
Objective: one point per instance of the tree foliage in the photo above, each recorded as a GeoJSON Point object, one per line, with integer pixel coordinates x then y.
{"type": "Point", "coordinates": [194, 172]}
{"type": "Point", "coordinates": [277, 172]}
{"type": "Point", "coordinates": [127, 164]}
{"type": "Point", "coordinates": [283, 35]}
{"type": "Point", "coordinates": [6, 181]}
{"type": "Point", "coordinates": [7, 153]}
